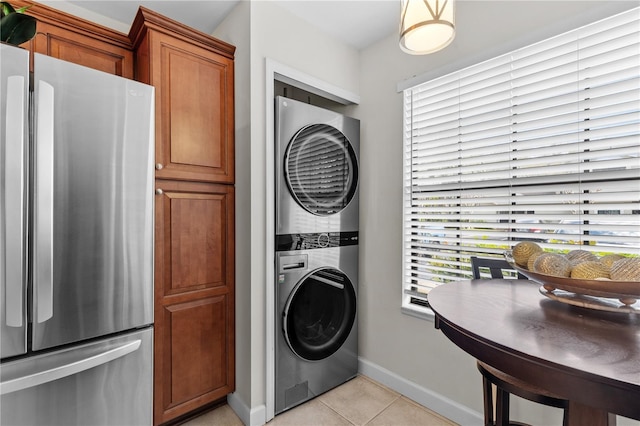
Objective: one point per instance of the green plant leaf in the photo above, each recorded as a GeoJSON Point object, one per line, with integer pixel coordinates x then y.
{"type": "Point", "coordinates": [7, 9]}
{"type": "Point", "coordinates": [16, 28]}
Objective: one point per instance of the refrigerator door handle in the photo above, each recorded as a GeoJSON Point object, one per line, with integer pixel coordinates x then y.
{"type": "Point", "coordinates": [14, 200]}
{"type": "Point", "coordinates": [52, 373]}
{"type": "Point", "coordinates": [44, 203]}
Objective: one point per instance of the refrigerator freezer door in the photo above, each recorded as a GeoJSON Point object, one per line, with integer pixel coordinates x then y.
{"type": "Point", "coordinates": [14, 73]}
{"type": "Point", "coordinates": [108, 382]}
{"type": "Point", "coordinates": [93, 212]}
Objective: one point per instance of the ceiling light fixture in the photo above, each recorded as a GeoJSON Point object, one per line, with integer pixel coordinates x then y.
{"type": "Point", "coordinates": [426, 26]}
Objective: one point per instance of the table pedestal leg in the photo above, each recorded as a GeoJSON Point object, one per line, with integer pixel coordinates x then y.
{"type": "Point", "coordinates": [584, 415]}
{"type": "Point", "coordinates": [502, 407]}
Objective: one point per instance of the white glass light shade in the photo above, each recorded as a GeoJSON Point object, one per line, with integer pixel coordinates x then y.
{"type": "Point", "coordinates": [426, 26]}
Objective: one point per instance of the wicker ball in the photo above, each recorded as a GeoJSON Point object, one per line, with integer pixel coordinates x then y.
{"type": "Point", "coordinates": [590, 270]}
{"type": "Point", "coordinates": [532, 259]}
{"type": "Point", "coordinates": [579, 256]}
{"type": "Point", "coordinates": [523, 250]}
{"type": "Point", "coordinates": [552, 264]}
{"type": "Point", "coordinates": [609, 259]}
{"type": "Point", "coordinates": [627, 269]}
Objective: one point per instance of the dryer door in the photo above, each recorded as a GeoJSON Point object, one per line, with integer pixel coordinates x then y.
{"type": "Point", "coordinates": [321, 169]}
{"type": "Point", "coordinates": [319, 314]}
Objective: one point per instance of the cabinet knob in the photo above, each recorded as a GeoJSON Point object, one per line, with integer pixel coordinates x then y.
{"type": "Point", "coordinates": [159, 191]}
{"type": "Point", "coordinates": [159, 166]}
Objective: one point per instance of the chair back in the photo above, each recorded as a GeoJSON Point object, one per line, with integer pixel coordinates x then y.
{"type": "Point", "coordinates": [495, 266]}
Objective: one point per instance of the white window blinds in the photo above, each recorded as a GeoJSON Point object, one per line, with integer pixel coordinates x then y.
{"type": "Point", "coordinates": [539, 144]}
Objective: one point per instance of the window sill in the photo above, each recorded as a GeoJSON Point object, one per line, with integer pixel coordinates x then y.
{"type": "Point", "coordinates": [419, 312]}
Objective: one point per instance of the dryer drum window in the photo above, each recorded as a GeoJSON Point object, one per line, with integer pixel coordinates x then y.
{"type": "Point", "coordinates": [320, 314]}
{"type": "Point", "coordinates": [321, 169]}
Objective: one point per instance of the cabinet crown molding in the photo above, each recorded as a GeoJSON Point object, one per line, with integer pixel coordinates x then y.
{"type": "Point", "coordinates": [148, 19]}
{"type": "Point", "coordinates": [56, 17]}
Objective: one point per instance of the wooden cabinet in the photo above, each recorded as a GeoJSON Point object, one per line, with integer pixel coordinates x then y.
{"type": "Point", "coordinates": [82, 49]}
{"type": "Point", "coordinates": [193, 76]}
{"type": "Point", "coordinates": [194, 358]}
{"type": "Point", "coordinates": [72, 39]}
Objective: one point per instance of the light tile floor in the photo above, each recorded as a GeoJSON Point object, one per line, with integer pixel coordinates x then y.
{"type": "Point", "coordinates": [358, 402]}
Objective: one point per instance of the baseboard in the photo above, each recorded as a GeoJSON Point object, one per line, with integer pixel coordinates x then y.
{"type": "Point", "coordinates": [423, 396]}
{"type": "Point", "coordinates": [426, 397]}
{"type": "Point", "coordinates": [250, 416]}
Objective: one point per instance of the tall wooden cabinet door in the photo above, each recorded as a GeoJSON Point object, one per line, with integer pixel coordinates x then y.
{"type": "Point", "coordinates": [194, 356]}
{"type": "Point", "coordinates": [194, 113]}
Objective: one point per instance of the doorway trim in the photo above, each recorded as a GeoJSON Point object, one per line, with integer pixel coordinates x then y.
{"type": "Point", "coordinates": [276, 71]}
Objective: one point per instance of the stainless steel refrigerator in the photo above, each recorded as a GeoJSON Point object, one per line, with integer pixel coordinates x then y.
{"type": "Point", "coordinates": [76, 245]}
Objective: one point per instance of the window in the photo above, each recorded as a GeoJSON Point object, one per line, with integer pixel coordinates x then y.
{"type": "Point", "coordinates": [539, 144]}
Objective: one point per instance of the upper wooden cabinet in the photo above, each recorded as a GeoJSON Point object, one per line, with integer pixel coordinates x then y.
{"type": "Point", "coordinates": [72, 39]}
{"type": "Point", "coordinates": [193, 76]}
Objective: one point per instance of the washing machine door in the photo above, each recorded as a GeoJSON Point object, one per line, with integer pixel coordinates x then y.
{"type": "Point", "coordinates": [321, 169]}
{"type": "Point", "coordinates": [319, 314]}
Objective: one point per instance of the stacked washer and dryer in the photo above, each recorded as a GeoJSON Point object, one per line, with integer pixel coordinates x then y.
{"type": "Point", "coordinates": [316, 343]}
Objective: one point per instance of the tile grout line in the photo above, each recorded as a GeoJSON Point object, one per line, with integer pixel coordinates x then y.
{"type": "Point", "coordinates": [336, 412]}
{"type": "Point", "coordinates": [397, 397]}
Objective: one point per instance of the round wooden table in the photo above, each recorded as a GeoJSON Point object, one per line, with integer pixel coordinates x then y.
{"type": "Point", "coordinates": [590, 357]}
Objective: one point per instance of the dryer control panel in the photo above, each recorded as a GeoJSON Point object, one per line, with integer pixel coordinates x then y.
{"type": "Point", "coordinates": [316, 240]}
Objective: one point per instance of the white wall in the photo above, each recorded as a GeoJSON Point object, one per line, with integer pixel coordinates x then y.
{"type": "Point", "coordinates": [235, 29]}
{"type": "Point", "coordinates": [282, 37]}
{"type": "Point", "coordinates": [81, 12]}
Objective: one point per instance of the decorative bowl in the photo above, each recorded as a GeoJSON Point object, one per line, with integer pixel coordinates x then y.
{"type": "Point", "coordinates": [628, 292]}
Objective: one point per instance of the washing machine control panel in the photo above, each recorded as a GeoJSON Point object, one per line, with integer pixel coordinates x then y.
{"type": "Point", "coordinates": [316, 240]}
